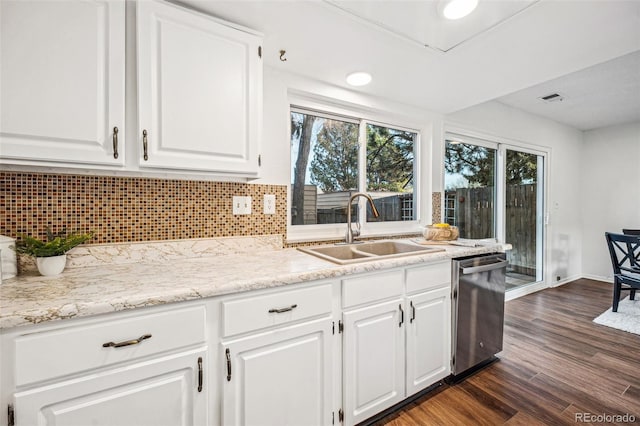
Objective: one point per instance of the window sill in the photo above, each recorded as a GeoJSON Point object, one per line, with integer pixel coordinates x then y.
{"type": "Point", "coordinates": [377, 231]}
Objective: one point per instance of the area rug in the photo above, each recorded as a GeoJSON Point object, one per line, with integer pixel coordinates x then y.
{"type": "Point", "coordinates": [627, 318]}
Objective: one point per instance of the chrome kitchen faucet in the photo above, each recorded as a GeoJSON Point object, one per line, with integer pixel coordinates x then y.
{"type": "Point", "coordinates": [350, 232]}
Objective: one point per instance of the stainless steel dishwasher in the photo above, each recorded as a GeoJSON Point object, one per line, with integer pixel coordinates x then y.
{"type": "Point", "coordinates": [478, 286]}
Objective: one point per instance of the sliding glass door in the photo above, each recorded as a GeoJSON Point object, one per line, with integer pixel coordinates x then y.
{"type": "Point", "coordinates": [496, 190]}
{"type": "Point", "coordinates": [523, 215]}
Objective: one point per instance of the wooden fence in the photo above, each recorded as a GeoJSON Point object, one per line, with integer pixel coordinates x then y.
{"type": "Point", "coordinates": [472, 211]}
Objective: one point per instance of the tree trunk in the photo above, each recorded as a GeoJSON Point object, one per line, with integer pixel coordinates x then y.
{"type": "Point", "coordinates": [297, 196]}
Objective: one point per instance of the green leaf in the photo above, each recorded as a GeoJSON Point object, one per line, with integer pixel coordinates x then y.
{"type": "Point", "coordinates": [56, 244]}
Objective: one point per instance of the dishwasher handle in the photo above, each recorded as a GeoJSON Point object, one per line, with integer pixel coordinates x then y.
{"type": "Point", "coordinates": [484, 268]}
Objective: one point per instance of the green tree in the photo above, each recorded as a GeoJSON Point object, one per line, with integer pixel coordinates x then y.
{"type": "Point", "coordinates": [477, 164]}
{"type": "Point", "coordinates": [389, 159]}
{"type": "Point", "coordinates": [522, 168]}
{"type": "Point", "coordinates": [335, 157]}
{"type": "Point", "coordinates": [301, 130]}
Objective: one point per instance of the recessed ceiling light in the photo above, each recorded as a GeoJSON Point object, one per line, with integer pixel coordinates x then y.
{"type": "Point", "coordinates": [456, 9]}
{"type": "Point", "coordinates": [359, 78]}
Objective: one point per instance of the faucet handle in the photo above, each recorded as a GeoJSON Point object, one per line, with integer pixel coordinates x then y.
{"type": "Point", "coordinates": [356, 232]}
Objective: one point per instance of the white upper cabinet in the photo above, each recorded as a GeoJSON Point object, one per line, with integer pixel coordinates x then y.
{"type": "Point", "coordinates": [199, 92]}
{"type": "Point", "coordinates": [62, 82]}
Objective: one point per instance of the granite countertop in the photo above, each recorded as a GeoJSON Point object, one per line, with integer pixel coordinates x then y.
{"type": "Point", "coordinates": [164, 277]}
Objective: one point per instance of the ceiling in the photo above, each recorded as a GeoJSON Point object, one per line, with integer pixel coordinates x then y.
{"type": "Point", "coordinates": [508, 50]}
{"type": "Point", "coordinates": [603, 95]}
{"type": "Point", "coordinates": [420, 21]}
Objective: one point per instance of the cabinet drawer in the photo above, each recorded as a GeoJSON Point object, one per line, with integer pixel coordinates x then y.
{"type": "Point", "coordinates": [369, 288]}
{"type": "Point", "coordinates": [428, 276]}
{"type": "Point", "coordinates": [253, 313]}
{"type": "Point", "coordinates": [49, 354]}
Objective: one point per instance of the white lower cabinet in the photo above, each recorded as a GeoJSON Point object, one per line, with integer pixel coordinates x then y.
{"type": "Point", "coordinates": [165, 391]}
{"type": "Point", "coordinates": [278, 355]}
{"type": "Point", "coordinates": [397, 345]}
{"type": "Point", "coordinates": [428, 338]}
{"type": "Point", "coordinates": [141, 368]}
{"type": "Point", "coordinates": [280, 377]}
{"type": "Point", "coordinates": [373, 351]}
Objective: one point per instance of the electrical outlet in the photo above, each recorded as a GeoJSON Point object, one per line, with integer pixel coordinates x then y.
{"type": "Point", "coordinates": [269, 204]}
{"type": "Point", "coordinates": [241, 205]}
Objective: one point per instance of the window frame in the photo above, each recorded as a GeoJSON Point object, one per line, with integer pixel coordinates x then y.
{"type": "Point", "coordinates": [362, 116]}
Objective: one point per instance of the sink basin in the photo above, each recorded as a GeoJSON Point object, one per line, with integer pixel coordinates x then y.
{"type": "Point", "coordinates": [339, 254]}
{"type": "Point", "coordinates": [386, 248]}
{"type": "Point", "coordinates": [356, 253]}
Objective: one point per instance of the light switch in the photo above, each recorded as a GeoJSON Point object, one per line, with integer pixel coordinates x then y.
{"type": "Point", "coordinates": [241, 205]}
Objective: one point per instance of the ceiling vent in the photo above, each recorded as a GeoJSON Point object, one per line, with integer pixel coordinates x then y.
{"type": "Point", "coordinates": [554, 97]}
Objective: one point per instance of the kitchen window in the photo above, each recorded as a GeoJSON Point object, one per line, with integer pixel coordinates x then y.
{"type": "Point", "coordinates": [334, 156]}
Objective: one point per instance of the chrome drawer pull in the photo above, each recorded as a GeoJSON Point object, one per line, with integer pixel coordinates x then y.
{"type": "Point", "coordinates": [199, 374]}
{"type": "Point", "coordinates": [115, 143]}
{"type": "Point", "coordinates": [281, 310]}
{"type": "Point", "coordinates": [145, 145]}
{"type": "Point", "coordinates": [126, 342]}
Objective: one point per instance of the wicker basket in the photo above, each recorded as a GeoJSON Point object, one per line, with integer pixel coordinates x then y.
{"type": "Point", "coordinates": [437, 233]}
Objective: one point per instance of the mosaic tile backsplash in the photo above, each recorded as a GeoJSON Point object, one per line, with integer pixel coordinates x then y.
{"type": "Point", "coordinates": [123, 209]}
{"type": "Point", "coordinates": [436, 207]}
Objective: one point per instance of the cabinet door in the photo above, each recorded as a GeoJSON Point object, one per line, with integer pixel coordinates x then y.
{"type": "Point", "coordinates": [162, 391]}
{"type": "Point", "coordinates": [62, 80]}
{"type": "Point", "coordinates": [373, 345]}
{"type": "Point", "coordinates": [281, 377]}
{"type": "Point", "coordinates": [199, 91]}
{"type": "Point", "coordinates": [428, 338]}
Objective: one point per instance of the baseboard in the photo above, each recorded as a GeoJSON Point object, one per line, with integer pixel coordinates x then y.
{"type": "Point", "coordinates": [598, 278]}
{"type": "Point", "coordinates": [567, 280]}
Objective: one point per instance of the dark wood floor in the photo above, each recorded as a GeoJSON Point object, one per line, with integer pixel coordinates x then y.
{"type": "Point", "coordinates": [556, 363]}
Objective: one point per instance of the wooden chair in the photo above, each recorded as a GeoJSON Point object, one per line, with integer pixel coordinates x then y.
{"type": "Point", "coordinates": [624, 251]}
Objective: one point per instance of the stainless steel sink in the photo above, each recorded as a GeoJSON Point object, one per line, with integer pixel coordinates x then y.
{"type": "Point", "coordinates": [387, 248]}
{"type": "Point", "coordinates": [356, 253]}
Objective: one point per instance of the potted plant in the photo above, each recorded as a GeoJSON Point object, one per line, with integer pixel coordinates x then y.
{"type": "Point", "coordinates": [50, 255]}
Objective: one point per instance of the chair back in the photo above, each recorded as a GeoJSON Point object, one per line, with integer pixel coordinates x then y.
{"type": "Point", "coordinates": [631, 231]}
{"type": "Point", "coordinates": [624, 251]}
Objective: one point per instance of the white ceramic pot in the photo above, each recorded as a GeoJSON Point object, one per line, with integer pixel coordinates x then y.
{"type": "Point", "coordinates": [53, 265]}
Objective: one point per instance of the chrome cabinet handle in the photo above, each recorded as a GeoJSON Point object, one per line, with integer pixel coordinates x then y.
{"type": "Point", "coordinates": [145, 145]}
{"type": "Point", "coordinates": [115, 143]}
{"type": "Point", "coordinates": [281, 310]}
{"type": "Point", "coordinates": [401, 316]}
{"type": "Point", "coordinates": [228, 354]}
{"type": "Point", "coordinates": [200, 374]}
{"type": "Point", "coordinates": [413, 312]}
{"type": "Point", "coordinates": [126, 342]}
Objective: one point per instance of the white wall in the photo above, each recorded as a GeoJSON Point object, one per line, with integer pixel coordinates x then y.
{"type": "Point", "coordinates": [506, 124]}
{"type": "Point", "coordinates": [610, 192]}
